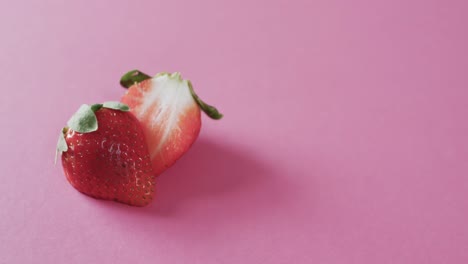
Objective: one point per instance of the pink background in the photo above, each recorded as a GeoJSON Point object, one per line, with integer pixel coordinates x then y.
{"type": "Point", "coordinates": [344, 138]}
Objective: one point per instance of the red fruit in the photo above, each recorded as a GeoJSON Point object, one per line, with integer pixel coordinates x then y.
{"type": "Point", "coordinates": [108, 159]}
{"type": "Point", "coordinates": [169, 111]}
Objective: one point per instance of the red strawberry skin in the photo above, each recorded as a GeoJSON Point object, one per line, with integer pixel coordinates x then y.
{"type": "Point", "coordinates": [169, 115]}
{"type": "Point", "coordinates": [111, 163]}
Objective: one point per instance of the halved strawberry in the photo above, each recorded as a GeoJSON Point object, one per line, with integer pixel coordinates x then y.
{"type": "Point", "coordinates": [169, 111]}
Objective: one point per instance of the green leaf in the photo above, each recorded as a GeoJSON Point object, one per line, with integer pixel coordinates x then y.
{"type": "Point", "coordinates": [61, 145]}
{"type": "Point", "coordinates": [84, 120]}
{"type": "Point", "coordinates": [209, 110]}
{"type": "Point", "coordinates": [96, 107]}
{"type": "Point", "coordinates": [132, 77]}
{"type": "Point", "coordinates": [116, 106]}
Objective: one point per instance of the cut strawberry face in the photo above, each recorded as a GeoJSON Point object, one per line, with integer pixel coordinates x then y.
{"type": "Point", "coordinates": [169, 111]}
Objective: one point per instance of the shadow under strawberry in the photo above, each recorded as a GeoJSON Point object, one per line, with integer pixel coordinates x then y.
{"type": "Point", "coordinates": [216, 176]}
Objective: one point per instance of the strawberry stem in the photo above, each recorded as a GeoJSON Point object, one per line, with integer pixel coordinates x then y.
{"type": "Point", "coordinates": [132, 77]}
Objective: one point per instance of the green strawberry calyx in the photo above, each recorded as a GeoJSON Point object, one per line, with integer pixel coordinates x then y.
{"type": "Point", "coordinates": [84, 121]}
{"type": "Point", "coordinates": [136, 76]}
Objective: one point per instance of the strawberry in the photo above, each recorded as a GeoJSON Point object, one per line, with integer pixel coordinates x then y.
{"type": "Point", "coordinates": [105, 156]}
{"type": "Point", "coordinates": [169, 111]}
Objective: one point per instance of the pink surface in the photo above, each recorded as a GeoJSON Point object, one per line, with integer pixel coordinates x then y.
{"type": "Point", "coordinates": [344, 138]}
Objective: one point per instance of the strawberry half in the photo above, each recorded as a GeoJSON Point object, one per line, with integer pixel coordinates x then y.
{"type": "Point", "coordinates": [169, 111]}
{"type": "Point", "coordinates": [104, 154]}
